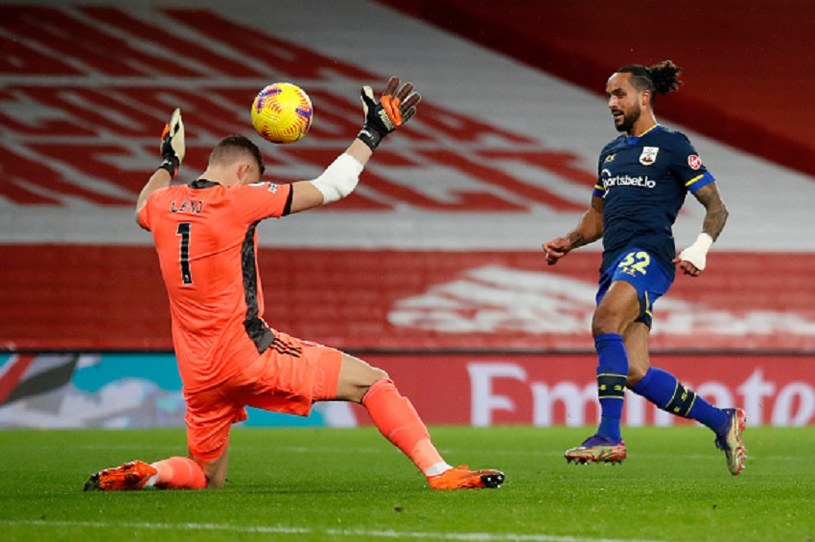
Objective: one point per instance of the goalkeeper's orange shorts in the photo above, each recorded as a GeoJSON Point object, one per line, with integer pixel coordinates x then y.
{"type": "Point", "coordinates": [288, 377]}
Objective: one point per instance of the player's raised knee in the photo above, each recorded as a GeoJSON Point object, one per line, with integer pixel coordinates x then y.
{"type": "Point", "coordinates": [378, 374]}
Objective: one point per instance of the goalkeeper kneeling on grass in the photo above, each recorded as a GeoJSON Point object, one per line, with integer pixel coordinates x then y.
{"type": "Point", "coordinates": [205, 236]}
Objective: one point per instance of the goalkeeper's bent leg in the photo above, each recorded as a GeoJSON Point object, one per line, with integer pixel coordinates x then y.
{"type": "Point", "coordinates": [397, 420]}
{"type": "Point", "coordinates": [179, 473]}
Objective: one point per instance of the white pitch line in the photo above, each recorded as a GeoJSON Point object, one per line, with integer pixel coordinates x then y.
{"type": "Point", "coordinates": [282, 529]}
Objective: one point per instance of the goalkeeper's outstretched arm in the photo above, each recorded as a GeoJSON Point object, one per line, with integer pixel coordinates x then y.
{"type": "Point", "coordinates": [172, 150]}
{"type": "Point", "coordinates": [395, 107]}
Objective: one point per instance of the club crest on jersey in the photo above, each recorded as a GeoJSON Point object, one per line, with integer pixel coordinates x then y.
{"type": "Point", "coordinates": [649, 155]}
{"type": "Point", "coordinates": [271, 187]}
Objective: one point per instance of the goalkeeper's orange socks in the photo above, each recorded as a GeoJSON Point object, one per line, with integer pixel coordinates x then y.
{"type": "Point", "coordinates": [178, 473]}
{"type": "Point", "coordinates": [397, 420]}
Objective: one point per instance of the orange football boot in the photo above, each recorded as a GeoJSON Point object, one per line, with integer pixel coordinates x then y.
{"type": "Point", "coordinates": [462, 477]}
{"type": "Point", "coordinates": [127, 477]}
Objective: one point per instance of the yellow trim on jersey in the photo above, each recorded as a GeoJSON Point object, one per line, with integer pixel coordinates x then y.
{"type": "Point", "coordinates": [599, 186]}
{"type": "Point", "coordinates": [648, 130]}
{"type": "Point", "coordinates": [690, 182]}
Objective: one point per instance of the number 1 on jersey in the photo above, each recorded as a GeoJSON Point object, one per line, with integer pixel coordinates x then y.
{"type": "Point", "coordinates": [184, 251]}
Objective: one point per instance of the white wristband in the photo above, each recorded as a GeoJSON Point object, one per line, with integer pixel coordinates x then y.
{"type": "Point", "coordinates": [339, 179]}
{"type": "Point", "coordinates": [697, 252]}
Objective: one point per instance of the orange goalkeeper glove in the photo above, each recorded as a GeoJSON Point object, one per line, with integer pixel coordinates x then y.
{"type": "Point", "coordinates": [391, 111]}
{"type": "Point", "coordinates": [172, 144]}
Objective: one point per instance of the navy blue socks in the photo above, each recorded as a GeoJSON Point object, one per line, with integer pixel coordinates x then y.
{"type": "Point", "coordinates": [612, 370]}
{"type": "Point", "coordinates": [666, 392]}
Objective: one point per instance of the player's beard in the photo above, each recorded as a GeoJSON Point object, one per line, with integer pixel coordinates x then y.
{"type": "Point", "coordinates": [629, 119]}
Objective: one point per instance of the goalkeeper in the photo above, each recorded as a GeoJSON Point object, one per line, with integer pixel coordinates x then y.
{"type": "Point", "coordinates": [228, 357]}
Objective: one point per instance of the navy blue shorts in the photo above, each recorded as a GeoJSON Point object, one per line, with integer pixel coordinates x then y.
{"type": "Point", "coordinates": [640, 269]}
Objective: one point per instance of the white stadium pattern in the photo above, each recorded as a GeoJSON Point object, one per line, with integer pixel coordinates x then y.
{"type": "Point", "coordinates": [499, 158]}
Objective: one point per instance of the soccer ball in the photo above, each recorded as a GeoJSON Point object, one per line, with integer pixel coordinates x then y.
{"type": "Point", "coordinates": [282, 113]}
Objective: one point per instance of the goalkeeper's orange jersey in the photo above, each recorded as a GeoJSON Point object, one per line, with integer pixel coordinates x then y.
{"type": "Point", "coordinates": [207, 245]}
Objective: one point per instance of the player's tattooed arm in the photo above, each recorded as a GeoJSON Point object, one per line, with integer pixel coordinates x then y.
{"type": "Point", "coordinates": [590, 227]}
{"type": "Point", "coordinates": [692, 260]}
{"type": "Point", "coordinates": [716, 212]}
{"type": "Point", "coordinates": [588, 230]}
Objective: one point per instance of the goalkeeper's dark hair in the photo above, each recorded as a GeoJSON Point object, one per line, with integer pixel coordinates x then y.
{"type": "Point", "coordinates": [661, 78]}
{"type": "Point", "coordinates": [236, 144]}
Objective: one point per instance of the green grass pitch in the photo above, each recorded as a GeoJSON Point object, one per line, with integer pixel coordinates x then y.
{"type": "Point", "coordinates": [350, 484]}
